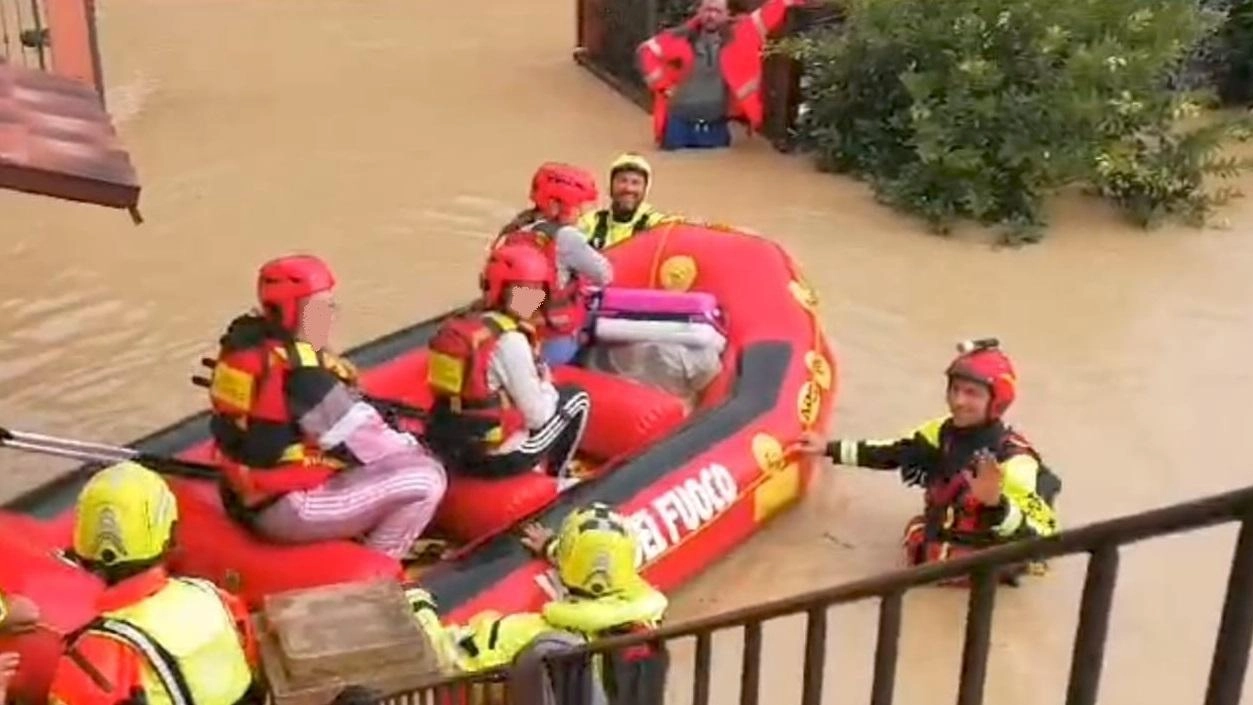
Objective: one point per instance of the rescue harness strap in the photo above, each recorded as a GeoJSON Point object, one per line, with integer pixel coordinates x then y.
{"type": "Point", "coordinates": [163, 662]}
{"type": "Point", "coordinates": [600, 234]}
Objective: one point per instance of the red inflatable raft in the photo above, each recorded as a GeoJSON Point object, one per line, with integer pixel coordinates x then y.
{"type": "Point", "coordinates": [694, 484]}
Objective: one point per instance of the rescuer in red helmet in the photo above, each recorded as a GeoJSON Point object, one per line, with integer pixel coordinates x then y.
{"type": "Point", "coordinates": [496, 411]}
{"type": "Point", "coordinates": [308, 458]}
{"type": "Point", "coordinates": [984, 483]}
{"type": "Point", "coordinates": [560, 194]}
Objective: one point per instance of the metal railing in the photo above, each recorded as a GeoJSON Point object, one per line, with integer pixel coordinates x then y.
{"type": "Point", "coordinates": [23, 33]}
{"type": "Point", "coordinates": [608, 32]}
{"type": "Point", "coordinates": [1102, 541]}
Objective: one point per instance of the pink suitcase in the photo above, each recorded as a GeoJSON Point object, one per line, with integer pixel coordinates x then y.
{"type": "Point", "coordinates": [695, 303]}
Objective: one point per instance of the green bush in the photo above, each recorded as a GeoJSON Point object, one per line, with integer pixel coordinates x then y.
{"type": "Point", "coordinates": [981, 108]}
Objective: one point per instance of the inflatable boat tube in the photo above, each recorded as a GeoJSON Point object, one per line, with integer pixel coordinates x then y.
{"type": "Point", "coordinates": [693, 485]}
{"type": "Point", "coordinates": [689, 333]}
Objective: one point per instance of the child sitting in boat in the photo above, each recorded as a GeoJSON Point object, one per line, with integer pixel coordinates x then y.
{"type": "Point", "coordinates": [496, 411]}
{"type": "Point", "coordinates": [594, 554]}
{"type": "Point", "coordinates": [307, 458]}
{"type": "Point", "coordinates": [984, 483]}
{"type": "Point", "coordinates": [559, 195]}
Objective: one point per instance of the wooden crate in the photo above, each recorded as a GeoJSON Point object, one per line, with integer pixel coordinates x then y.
{"type": "Point", "coordinates": [316, 642]}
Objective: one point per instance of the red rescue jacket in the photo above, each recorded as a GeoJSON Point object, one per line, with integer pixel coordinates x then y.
{"type": "Point", "coordinates": [666, 60]}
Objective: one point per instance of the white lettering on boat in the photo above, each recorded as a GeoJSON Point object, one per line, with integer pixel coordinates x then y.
{"type": "Point", "coordinates": [682, 509]}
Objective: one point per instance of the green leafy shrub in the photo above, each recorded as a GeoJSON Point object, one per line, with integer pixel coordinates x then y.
{"type": "Point", "coordinates": [1160, 173]}
{"type": "Point", "coordinates": [981, 108]}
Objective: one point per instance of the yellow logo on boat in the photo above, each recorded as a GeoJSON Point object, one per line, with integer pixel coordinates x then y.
{"type": "Point", "coordinates": [819, 369]}
{"type": "Point", "coordinates": [781, 485]}
{"type": "Point", "coordinates": [804, 294]}
{"type": "Point", "coordinates": [677, 273]}
{"type": "Point", "coordinates": [808, 402]}
{"type": "Point", "coordinates": [768, 452]}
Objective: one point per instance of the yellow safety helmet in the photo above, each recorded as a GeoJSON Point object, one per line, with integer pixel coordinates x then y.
{"type": "Point", "coordinates": [630, 161]}
{"type": "Point", "coordinates": [595, 552]}
{"type": "Point", "coordinates": [126, 514]}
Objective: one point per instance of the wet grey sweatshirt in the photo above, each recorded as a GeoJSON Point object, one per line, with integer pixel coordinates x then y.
{"type": "Point", "coordinates": [703, 96]}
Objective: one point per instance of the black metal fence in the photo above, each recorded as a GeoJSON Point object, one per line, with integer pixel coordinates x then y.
{"type": "Point", "coordinates": [1102, 542]}
{"type": "Point", "coordinates": [23, 33]}
{"type": "Point", "coordinates": [610, 30]}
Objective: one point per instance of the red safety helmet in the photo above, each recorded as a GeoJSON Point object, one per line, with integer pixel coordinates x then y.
{"type": "Point", "coordinates": [982, 362]}
{"type": "Point", "coordinates": [562, 185]}
{"type": "Point", "coordinates": [283, 283]}
{"type": "Point", "coordinates": [511, 265]}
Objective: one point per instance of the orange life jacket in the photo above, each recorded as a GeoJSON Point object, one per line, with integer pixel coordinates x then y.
{"type": "Point", "coordinates": [467, 414]}
{"type": "Point", "coordinates": [565, 308]}
{"type": "Point", "coordinates": [266, 453]}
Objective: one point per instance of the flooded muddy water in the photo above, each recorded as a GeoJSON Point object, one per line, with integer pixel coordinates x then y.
{"type": "Point", "coordinates": [393, 137]}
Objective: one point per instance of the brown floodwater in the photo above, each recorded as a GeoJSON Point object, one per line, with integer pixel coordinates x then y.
{"type": "Point", "coordinates": [393, 137]}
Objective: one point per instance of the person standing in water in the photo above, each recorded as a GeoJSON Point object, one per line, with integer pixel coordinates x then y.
{"type": "Point", "coordinates": [708, 71]}
{"type": "Point", "coordinates": [984, 483]}
{"type": "Point", "coordinates": [308, 458]}
{"type": "Point", "coordinates": [629, 212]}
{"type": "Point", "coordinates": [603, 594]}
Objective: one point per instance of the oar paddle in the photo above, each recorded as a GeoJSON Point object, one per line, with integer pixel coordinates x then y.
{"type": "Point", "coordinates": [104, 453]}
{"type": "Point", "coordinates": [396, 407]}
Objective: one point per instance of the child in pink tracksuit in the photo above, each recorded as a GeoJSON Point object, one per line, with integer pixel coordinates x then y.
{"type": "Point", "coordinates": [310, 458]}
